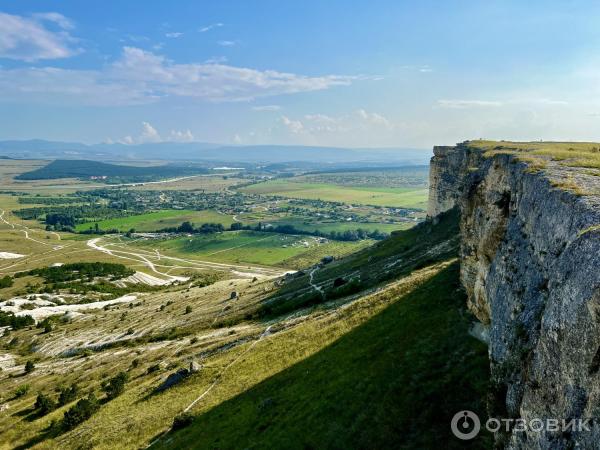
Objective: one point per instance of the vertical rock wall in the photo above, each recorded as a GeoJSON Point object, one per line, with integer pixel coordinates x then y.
{"type": "Point", "coordinates": [530, 263]}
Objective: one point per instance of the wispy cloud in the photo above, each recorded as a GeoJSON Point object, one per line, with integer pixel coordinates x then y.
{"type": "Point", "coordinates": [29, 39]}
{"type": "Point", "coordinates": [135, 38]}
{"type": "Point", "coordinates": [323, 124]}
{"type": "Point", "coordinates": [461, 104]}
{"type": "Point", "coordinates": [149, 134]}
{"type": "Point", "coordinates": [465, 104]}
{"type": "Point", "coordinates": [140, 76]}
{"type": "Point", "coordinates": [174, 35]}
{"type": "Point", "coordinates": [57, 18]}
{"type": "Point", "coordinates": [210, 27]}
{"type": "Point", "coordinates": [226, 43]}
{"type": "Point", "coordinates": [181, 136]}
{"type": "Point", "coordinates": [374, 118]}
{"type": "Point", "coordinates": [217, 60]}
{"type": "Point", "coordinates": [266, 108]}
{"type": "Point", "coordinates": [294, 126]}
{"type": "Point", "coordinates": [422, 68]}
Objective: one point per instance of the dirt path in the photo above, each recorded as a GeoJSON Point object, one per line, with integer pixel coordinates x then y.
{"type": "Point", "coordinates": [26, 230]}
{"type": "Point", "coordinates": [316, 287]}
{"type": "Point", "coordinates": [94, 244]}
{"type": "Point", "coordinates": [145, 258]}
{"type": "Point", "coordinates": [264, 334]}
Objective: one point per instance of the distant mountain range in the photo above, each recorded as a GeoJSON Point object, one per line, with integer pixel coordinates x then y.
{"type": "Point", "coordinates": [198, 151]}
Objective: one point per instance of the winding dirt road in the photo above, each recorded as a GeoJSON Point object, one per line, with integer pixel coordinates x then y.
{"type": "Point", "coordinates": [149, 259]}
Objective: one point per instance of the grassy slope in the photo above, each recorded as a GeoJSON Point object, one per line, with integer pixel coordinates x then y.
{"type": "Point", "coordinates": [393, 382]}
{"type": "Point", "coordinates": [400, 197]}
{"type": "Point", "coordinates": [392, 377]}
{"type": "Point", "coordinates": [327, 227]}
{"type": "Point", "coordinates": [389, 259]}
{"type": "Point", "coordinates": [330, 378]}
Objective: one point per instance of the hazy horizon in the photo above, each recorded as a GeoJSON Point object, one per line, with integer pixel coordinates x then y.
{"type": "Point", "coordinates": [382, 74]}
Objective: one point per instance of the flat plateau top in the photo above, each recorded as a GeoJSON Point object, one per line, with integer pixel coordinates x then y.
{"type": "Point", "coordinates": [571, 154]}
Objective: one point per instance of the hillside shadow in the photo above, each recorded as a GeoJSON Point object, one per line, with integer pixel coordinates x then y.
{"type": "Point", "coordinates": [393, 382]}
{"type": "Point", "coordinates": [403, 252]}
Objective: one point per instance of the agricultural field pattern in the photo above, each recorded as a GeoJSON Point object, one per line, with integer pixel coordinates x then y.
{"type": "Point", "coordinates": [171, 297]}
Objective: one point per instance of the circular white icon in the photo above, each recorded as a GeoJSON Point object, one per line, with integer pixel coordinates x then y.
{"type": "Point", "coordinates": [465, 425]}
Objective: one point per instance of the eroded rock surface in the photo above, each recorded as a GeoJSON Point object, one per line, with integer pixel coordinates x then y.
{"type": "Point", "coordinates": [530, 263]}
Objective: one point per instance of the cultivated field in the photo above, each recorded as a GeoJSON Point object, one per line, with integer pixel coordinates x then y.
{"type": "Point", "coordinates": [157, 220]}
{"type": "Point", "coordinates": [397, 197]}
{"type": "Point", "coordinates": [270, 249]}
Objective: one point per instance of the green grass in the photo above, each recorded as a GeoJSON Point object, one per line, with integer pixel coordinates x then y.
{"type": "Point", "coordinates": [397, 197]}
{"type": "Point", "coordinates": [385, 371]}
{"type": "Point", "coordinates": [391, 258]}
{"type": "Point", "coordinates": [572, 154]}
{"type": "Point", "coordinates": [327, 227]}
{"type": "Point", "coordinates": [395, 381]}
{"type": "Point", "coordinates": [157, 220]}
{"type": "Point", "coordinates": [235, 247]}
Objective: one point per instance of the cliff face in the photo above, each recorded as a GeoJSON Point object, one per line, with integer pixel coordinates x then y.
{"type": "Point", "coordinates": [530, 263]}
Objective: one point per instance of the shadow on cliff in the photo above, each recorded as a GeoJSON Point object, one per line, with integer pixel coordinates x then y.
{"type": "Point", "coordinates": [393, 382]}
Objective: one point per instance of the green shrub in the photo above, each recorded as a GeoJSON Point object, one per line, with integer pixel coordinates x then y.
{"type": "Point", "coordinates": [44, 404]}
{"type": "Point", "coordinates": [29, 366]}
{"type": "Point", "coordinates": [80, 412]}
{"type": "Point", "coordinates": [6, 282]}
{"type": "Point", "coordinates": [182, 420]}
{"type": "Point", "coordinates": [68, 394]}
{"type": "Point", "coordinates": [8, 319]}
{"type": "Point", "coordinates": [115, 386]}
{"type": "Point", "coordinates": [21, 390]}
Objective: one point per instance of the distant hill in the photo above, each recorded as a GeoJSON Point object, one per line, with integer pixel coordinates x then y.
{"type": "Point", "coordinates": [199, 151]}
{"type": "Point", "coordinates": [93, 169]}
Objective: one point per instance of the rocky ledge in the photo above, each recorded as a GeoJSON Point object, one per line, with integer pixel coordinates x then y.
{"type": "Point", "coordinates": [530, 263]}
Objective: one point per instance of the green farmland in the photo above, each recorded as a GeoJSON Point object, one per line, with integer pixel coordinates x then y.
{"type": "Point", "coordinates": [157, 220]}
{"type": "Point", "coordinates": [269, 249]}
{"type": "Point", "coordinates": [395, 197]}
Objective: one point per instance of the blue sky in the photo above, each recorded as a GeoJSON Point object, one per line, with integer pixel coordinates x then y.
{"type": "Point", "coordinates": [341, 73]}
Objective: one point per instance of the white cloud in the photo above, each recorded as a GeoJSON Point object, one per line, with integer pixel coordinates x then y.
{"type": "Point", "coordinates": [374, 118]}
{"type": "Point", "coordinates": [237, 139]}
{"type": "Point", "coordinates": [137, 39]}
{"type": "Point", "coordinates": [149, 135]}
{"type": "Point", "coordinates": [140, 76]}
{"type": "Point", "coordinates": [181, 136]}
{"type": "Point", "coordinates": [55, 17]}
{"type": "Point", "coordinates": [266, 108]}
{"type": "Point", "coordinates": [464, 104]}
{"type": "Point", "coordinates": [127, 140]}
{"type": "Point", "coordinates": [216, 60]}
{"type": "Point", "coordinates": [226, 43]}
{"type": "Point", "coordinates": [422, 69]}
{"type": "Point", "coordinates": [294, 126]}
{"type": "Point", "coordinates": [210, 27]}
{"type": "Point", "coordinates": [460, 104]}
{"type": "Point", "coordinates": [321, 125]}
{"type": "Point", "coordinates": [174, 35]}
{"type": "Point", "coordinates": [29, 39]}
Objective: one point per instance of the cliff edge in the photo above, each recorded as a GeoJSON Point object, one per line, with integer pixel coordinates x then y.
{"type": "Point", "coordinates": [530, 263]}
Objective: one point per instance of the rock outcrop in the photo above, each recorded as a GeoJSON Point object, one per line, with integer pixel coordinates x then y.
{"type": "Point", "coordinates": [530, 263]}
